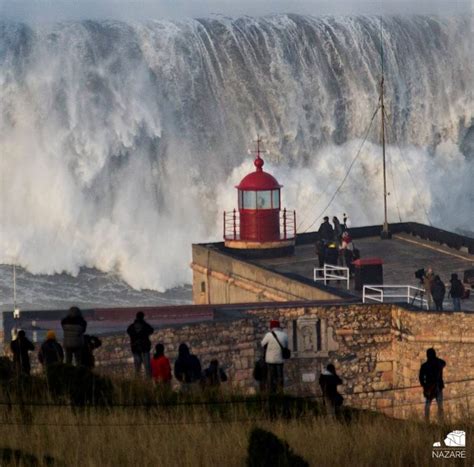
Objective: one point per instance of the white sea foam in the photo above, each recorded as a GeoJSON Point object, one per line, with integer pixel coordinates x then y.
{"type": "Point", "coordinates": [121, 143]}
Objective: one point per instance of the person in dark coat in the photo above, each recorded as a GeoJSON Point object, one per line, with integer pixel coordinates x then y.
{"type": "Point", "coordinates": [20, 348]}
{"type": "Point", "coordinates": [187, 368]}
{"type": "Point", "coordinates": [74, 326]}
{"type": "Point", "coordinates": [431, 379]}
{"type": "Point", "coordinates": [456, 292]}
{"type": "Point", "coordinates": [140, 332]}
{"type": "Point", "coordinates": [326, 232]}
{"type": "Point", "coordinates": [329, 381]}
{"type": "Point", "coordinates": [438, 291]}
{"type": "Point", "coordinates": [90, 344]}
{"type": "Point", "coordinates": [214, 375]}
{"type": "Point", "coordinates": [337, 229]}
{"type": "Point", "coordinates": [50, 351]}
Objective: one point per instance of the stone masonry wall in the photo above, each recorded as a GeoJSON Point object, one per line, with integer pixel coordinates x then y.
{"type": "Point", "coordinates": [377, 351]}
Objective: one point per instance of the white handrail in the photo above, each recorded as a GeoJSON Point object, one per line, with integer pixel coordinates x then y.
{"type": "Point", "coordinates": [330, 274]}
{"type": "Point", "coordinates": [380, 293]}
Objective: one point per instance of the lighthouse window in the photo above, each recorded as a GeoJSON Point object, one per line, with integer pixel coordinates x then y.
{"type": "Point", "coordinates": [276, 199]}
{"type": "Point", "coordinates": [264, 199]}
{"type": "Point", "coordinates": [250, 199]}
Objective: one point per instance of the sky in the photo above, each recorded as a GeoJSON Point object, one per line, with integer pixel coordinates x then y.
{"type": "Point", "coordinates": [176, 9]}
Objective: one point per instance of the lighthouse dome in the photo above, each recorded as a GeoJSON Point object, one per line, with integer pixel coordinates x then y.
{"type": "Point", "coordinates": [258, 180]}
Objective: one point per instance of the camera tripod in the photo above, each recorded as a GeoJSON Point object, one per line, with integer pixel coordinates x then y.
{"type": "Point", "coordinates": [420, 295]}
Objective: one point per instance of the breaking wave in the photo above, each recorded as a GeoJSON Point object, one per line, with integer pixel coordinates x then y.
{"type": "Point", "coordinates": [121, 142]}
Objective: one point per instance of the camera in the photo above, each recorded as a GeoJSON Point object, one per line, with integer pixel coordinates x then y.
{"type": "Point", "coordinates": [420, 274]}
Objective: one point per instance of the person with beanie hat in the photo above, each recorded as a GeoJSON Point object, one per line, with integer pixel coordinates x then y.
{"type": "Point", "coordinates": [50, 351]}
{"type": "Point", "coordinates": [274, 342]}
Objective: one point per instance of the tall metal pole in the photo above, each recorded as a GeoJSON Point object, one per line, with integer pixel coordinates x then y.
{"type": "Point", "coordinates": [14, 287]}
{"type": "Point", "coordinates": [385, 231]}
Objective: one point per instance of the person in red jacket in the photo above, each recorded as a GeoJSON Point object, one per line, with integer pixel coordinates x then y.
{"type": "Point", "coordinates": [160, 366]}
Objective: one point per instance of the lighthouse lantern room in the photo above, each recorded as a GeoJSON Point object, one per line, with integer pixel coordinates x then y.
{"type": "Point", "coordinates": [260, 227]}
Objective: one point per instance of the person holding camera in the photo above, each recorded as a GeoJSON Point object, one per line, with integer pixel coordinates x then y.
{"type": "Point", "coordinates": [428, 280]}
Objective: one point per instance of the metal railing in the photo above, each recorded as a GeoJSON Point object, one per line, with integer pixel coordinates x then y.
{"type": "Point", "coordinates": [287, 221]}
{"type": "Point", "coordinates": [332, 273]}
{"type": "Point", "coordinates": [383, 293]}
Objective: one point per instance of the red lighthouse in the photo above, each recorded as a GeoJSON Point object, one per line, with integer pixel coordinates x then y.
{"type": "Point", "coordinates": [260, 227]}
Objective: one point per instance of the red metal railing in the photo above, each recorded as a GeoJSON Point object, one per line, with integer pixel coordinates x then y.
{"type": "Point", "coordinates": [232, 225]}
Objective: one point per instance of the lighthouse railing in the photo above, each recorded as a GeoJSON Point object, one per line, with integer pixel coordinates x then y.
{"type": "Point", "coordinates": [287, 224]}
{"type": "Point", "coordinates": [231, 225]}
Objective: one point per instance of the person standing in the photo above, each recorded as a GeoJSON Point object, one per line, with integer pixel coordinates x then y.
{"type": "Point", "coordinates": [456, 292]}
{"type": "Point", "coordinates": [347, 251]}
{"type": "Point", "coordinates": [431, 379]}
{"type": "Point", "coordinates": [50, 351]}
{"type": "Point", "coordinates": [275, 342]}
{"type": "Point", "coordinates": [160, 367]}
{"type": "Point", "coordinates": [187, 368]}
{"type": "Point", "coordinates": [87, 356]}
{"type": "Point", "coordinates": [329, 381]}
{"type": "Point", "coordinates": [140, 332]}
{"type": "Point", "coordinates": [21, 358]}
{"type": "Point", "coordinates": [438, 291]}
{"type": "Point", "coordinates": [74, 326]}
{"type": "Point", "coordinates": [326, 232]}
{"type": "Point", "coordinates": [337, 229]}
{"type": "Point", "coordinates": [428, 284]}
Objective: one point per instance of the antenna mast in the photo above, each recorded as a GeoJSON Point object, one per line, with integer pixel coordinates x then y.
{"type": "Point", "coordinates": [385, 231]}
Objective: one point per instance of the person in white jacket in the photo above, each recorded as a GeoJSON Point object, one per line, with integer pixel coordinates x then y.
{"type": "Point", "coordinates": [273, 343]}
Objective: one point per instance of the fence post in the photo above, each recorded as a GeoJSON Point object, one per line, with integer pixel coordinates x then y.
{"type": "Point", "coordinates": [284, 224]}
{"type": "Point", "coordinates": [235, 228]}
{"type": "Point", "coordinates": [363, 294]}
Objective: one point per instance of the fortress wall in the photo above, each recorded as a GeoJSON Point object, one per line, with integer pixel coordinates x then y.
{"type": "Point", "coordinates": [219, 278]}
{"type": "Point", "coordinates": [452, 336]}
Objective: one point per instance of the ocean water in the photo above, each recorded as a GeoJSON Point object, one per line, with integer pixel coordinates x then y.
{"type": "Point", "coordinates": [121, 142]}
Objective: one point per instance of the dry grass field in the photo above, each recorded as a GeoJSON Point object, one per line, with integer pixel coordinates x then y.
{"type": "Point", "coordinates": [144, 428]}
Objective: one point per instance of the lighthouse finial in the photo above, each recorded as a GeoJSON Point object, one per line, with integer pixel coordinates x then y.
{"type": "Point", "coordinates": [258, 160]}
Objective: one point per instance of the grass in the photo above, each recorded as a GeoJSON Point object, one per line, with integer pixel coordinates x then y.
{"type": "Point", "coordinates": [193, 433]}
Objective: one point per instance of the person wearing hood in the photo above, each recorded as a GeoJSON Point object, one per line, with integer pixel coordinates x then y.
{"type": "Point", "coordinates": [50, 351]}
{"type": "Point", "coordinates": [20, 348]}
{"type": "Point", "coordinates": [438, 291]}
{"type": "Point", "coordinates": [456, 292]}
{"type": "Point", "coordinates": [329, 381]}
{"type": "Point", "coordinates": [140, 332]}
{"type": "Point", "coordinates": [74, 326]}
{"type": "Point", "coordinates": [187, 368]}
{"type": "Point", "coordinates": [160, 367]}
{"type": "Point", "coordinates": [431, 380]}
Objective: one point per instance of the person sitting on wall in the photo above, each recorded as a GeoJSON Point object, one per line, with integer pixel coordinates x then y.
{"type": "Point", "coordinates": [51, 351]}
{"type": "Point", "coordinates": [187, 368]}
{"type": "Point", "coordinates": [21, 358]}
{"type": "Point", "coordinates": [74, 326]}
{"type": "Point", "coordinates": [431, 379]}
{"type": "Point", "coordinates": [276, 343]}
{"type": "Point", "coordinates": [329, 381]}
{"type": "Point", "coordinates": [214, 375]}
{"type": "Point", "coordinates": [438, 291]}
{"type": "Point", "coordinates": [326, 232]}
{"type": "Point", "coordinates": [140, 332]}
{"type": "Point", "coordinates": [160, 367]}
{"type": "Point", "coordinates": [90, 344]}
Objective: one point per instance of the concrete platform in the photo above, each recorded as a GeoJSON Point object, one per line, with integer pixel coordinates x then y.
{"type": "Point", "coordinates": [402, 256]}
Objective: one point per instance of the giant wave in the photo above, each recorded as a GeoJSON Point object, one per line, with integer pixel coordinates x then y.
{"type": "Point", "coordinates": [121, 142]}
